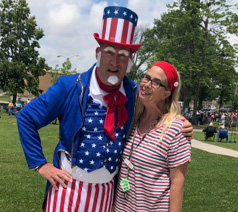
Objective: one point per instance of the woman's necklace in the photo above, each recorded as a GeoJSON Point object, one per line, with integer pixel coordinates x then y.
{"type": "Point", "coordinates": [137, 130]}
{"type": "Point", "coordinates": [150, 128]}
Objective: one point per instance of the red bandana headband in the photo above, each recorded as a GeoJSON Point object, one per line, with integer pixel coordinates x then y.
{"type": "Point", "coordinates": [170, 72]}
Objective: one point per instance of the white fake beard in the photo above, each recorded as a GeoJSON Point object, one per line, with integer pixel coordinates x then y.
{"type": "Point", "coordinates": [113, 80]}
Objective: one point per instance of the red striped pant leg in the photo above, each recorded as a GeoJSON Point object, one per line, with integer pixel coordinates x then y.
{"type": "Point", "coordinates": [51, 200]}
{"type": "Point", "coordinates": [55, 197]}
{"type": "Point", "coordinates": [102, 188]}
{"type": "Point", "coordinates": [111, 196]}
{"type": "Point", "coordinates": [48, 200]}
{"type": "Point", "coordinates": [108, 202]}
{"type": "Point", "coordinates": [106, 196]}
{"type": "Point", "coordinates": [95, 197]}
{"type": "Point", "coordinates": [88, 197]}
{"type": "Point", "coordinates": [80, 196]}
{"type": "Point", "coordinates": [79, 187]}
{"type": "Point", "coordinates": [71, 196]}
{"type": "Point", "coordinates": [62, 200]}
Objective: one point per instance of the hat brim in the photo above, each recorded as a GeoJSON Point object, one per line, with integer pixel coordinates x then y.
{"type": "Point", "coordinates": [134, 47]}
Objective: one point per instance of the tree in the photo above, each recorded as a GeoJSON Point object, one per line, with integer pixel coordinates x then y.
{"type": "Point", "coordinates": [140, 57]}
{"type": "Point", "coordinates": [63, 71]}
{"type": "Point", "coordinates": [192, 36]}
{"type": "Point", "coordinates": [20, 64]}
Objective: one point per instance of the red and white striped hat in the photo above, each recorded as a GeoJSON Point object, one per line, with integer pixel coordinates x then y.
{"type": "Point", "coordinates": [118, 28]}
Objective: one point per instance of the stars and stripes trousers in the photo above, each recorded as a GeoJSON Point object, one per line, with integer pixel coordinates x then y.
{"type": "Point", "coordinates": [81, 197]}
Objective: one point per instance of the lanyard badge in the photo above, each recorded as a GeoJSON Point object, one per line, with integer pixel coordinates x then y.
{"type": "Point", "coordinates": [125, 185]}
{"type": "Point", "coordinates": [129, 164]}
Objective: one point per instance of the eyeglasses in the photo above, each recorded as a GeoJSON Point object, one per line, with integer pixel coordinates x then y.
{"type": "Point", "coordinates": [155, 83]}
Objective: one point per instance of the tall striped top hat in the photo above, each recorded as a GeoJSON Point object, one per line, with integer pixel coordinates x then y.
{"type": "Point", "coordinates": [118, 28]}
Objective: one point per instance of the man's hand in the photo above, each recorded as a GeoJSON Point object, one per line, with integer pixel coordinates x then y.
{"type": "Point", "coordinates": [187, 128]}
{"type": "Point", "coordinates": [54, 175]}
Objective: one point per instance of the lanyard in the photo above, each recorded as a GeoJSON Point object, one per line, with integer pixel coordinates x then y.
{"type": "Point", "coordinates": [133, 143]}
{"type": "Point", "coordinates": [124, 183]}
{"type": "Point", "coordinates": [145, 134]}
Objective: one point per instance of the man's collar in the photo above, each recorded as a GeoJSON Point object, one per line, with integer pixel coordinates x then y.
{"type": "Point", "coordinates": [96, 90]}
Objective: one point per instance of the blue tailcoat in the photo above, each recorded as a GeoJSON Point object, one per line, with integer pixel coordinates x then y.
{"type": "Point", "coordinates": [67, 101]}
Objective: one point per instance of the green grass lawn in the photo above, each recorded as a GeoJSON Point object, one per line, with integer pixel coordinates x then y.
{"type": "Point", "coordinates": [211, 184]}
{"type": "Point", "coordinates": [5, 98]}
{"type": "Point", "coordinates": [22, 190]}
{"type": "Point", "coordinates": [233, 136]}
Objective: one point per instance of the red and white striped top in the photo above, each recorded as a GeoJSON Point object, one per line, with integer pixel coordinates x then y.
{"type": "Point", "coordinates": [152, 160]}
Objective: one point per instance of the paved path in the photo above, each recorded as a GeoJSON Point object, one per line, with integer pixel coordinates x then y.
{"type": "Point", "coordinates": [4, 102]}
{"type": "Point", "coordinates": [213, 148]}
{"type": "Point", "coordinates": [2, 94]}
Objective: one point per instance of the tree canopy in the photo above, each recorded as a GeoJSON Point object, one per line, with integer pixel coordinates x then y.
{"type": "Point", "coordinates": [193, 36]}
{"type": "Point", "coordinates": [66, 69]}
{"type": "Point", "coordinates": [20, 64]}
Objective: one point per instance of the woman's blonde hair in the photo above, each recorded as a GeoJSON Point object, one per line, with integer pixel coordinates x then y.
{"type": "Point", "coordinates": [173, 107]}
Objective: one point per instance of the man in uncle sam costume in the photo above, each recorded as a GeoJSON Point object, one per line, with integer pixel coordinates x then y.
{"type": "Point", "coordinates": [95, 111]}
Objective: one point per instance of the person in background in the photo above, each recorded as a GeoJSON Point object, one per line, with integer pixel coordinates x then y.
{"type": "Point", "coordinates": [10, 105]}
{"type": "Point", "coordinates": [222, 133]}
{"type": "Point", "coordinates": [209, 131]}
{"type": "Point", "coordinates": [223, 118]}
{"type": "Point", "coordinates": [156, 156]}
{"type": "Point", "coordinates": [95, 111]}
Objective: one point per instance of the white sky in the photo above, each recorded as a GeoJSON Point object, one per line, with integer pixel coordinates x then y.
{"type": "Point", "coordinates": [69, 26]}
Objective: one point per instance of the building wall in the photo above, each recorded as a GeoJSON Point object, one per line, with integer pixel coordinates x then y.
{"type": "Point", "coordinates": [44, 84]}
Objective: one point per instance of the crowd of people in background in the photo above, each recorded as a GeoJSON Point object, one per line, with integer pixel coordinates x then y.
{"type": "Point", "coordinates": [13, 108]}
{"type": "Point", "coordinates": [229, 119]}
{"type": "Point", "coordinates": [226, 121]}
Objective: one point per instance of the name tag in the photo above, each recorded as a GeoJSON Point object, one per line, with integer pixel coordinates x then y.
{"type": "Point", "coordinates": [129, 164]}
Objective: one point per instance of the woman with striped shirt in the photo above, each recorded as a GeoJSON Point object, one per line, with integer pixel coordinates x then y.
{"type": "Point", "coordinates": [156, 155]}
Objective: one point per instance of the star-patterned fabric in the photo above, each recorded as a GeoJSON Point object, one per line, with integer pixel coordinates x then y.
{"type": "Point", "coordinates": [96, 150]}
{"type": "Point", "coordinates": [120, 13]}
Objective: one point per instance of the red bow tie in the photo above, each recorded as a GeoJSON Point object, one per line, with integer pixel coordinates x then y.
{"type": "Point", "coordinates": [122, 115]}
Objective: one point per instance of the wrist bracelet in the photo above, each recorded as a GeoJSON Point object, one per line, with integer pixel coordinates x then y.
{"type": "Point", "coordinates": [38, 167]}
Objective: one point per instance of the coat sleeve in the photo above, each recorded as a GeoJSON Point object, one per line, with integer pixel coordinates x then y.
{"type": "Point", "coordinates": [35, 115]}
